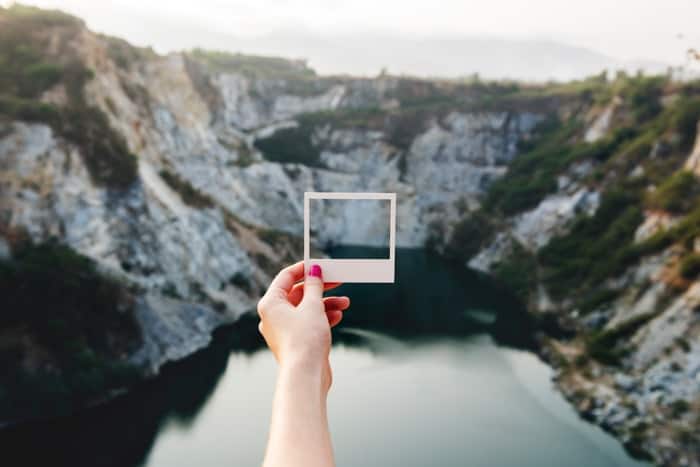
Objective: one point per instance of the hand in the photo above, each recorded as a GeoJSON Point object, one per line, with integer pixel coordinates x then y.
{"type": "Point", "coordinates": [296, 320]}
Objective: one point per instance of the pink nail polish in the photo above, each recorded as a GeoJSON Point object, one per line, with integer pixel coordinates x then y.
{"type": "Point", "coordinates": [315, 271]}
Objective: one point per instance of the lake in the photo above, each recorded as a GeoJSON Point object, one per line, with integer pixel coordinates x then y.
{"type": "Point", "coordinates": [431, 371]}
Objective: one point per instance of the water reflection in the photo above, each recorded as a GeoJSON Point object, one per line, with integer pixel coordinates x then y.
{"type": "Point", "coordinates": [121, 433]}
{"type": "Point", "coordinates": [414, 360]}
{"type": "Point", "coordinates": [433, 297]}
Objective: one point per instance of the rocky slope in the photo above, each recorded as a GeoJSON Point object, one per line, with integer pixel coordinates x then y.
{"type": "Point", "coordinates": [613, 244]}
{"type": "Point", "coordinates": [183, 176]}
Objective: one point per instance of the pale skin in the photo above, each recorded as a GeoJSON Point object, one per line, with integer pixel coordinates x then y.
{"type": "Point", "coordinates": [296, 322]}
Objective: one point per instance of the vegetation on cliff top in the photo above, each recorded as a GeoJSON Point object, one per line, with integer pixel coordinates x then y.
{"type": "Point", "coordinates": [30, 66]}
{"type": "Point", "coordinates": [256, 67]}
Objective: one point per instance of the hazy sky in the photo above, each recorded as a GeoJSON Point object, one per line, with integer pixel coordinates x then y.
{"type": "Point", "coordinates": [659, 30]}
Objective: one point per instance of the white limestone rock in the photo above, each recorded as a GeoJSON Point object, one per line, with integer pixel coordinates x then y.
{"type": "Point", "coordinates": [693, 161]}
{"type": "Point", "coordinates": [172, 329]}
{"type": "Point", "coordinates": [600, 126]}
{"type": "Point", "coordinates": [496, 251]}
{"type": "Point", "coordinates": [534, 229]}
{"type": "Point", "coordinates": [654, 222]}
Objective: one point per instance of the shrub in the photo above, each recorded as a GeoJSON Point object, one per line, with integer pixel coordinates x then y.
{"type": "Point", "coordinates": [103, 150]}
{"type": "Point", "coordinates": [405, 127]}
{"type": "Point", "coordinates": [685, 119]}
{"type": "Point", "coordinates": [643, 95]}
{"type": "Point", "coordinates": [602, 345]}
{"type": "Point", "coordinates": [77, 322]}
{"type": "Point", "coordinates": [597, 298]}
{"type": "Point", "coordinates": [684, 232]}
{"type": "Point", "coordinates": [27, 70]}
{"type": "Point", "coordinates": [595, 247]}
{"type": "Point", "coordinates": [124, 54]}
{"type": "Point", "coordinates": [290, 145]}
{"type": "Point", "coordinates": [38, 17]}
{"type": "Point", "coordinates": [532, 175]}
{"type": "Point", "coordinates": [677, 194]}
{"type": "Point", "coordinates": [253, 66]}
{"type": "Point", "coordinates": [690, 266]}
{"type": "Point", "coordinates": [469, 236]}
{"type": "Point", "coordinates": [679, 408]}
{"type": "Point", "coordinates": [189, 194]}
{"type": "Point", "coordinates": [51, 287]}
{"type": "Point", "coordinates": [29, 110]}
{"type": "Point", "coordinates": [518, 272]}
{"type": "Point", "coordinates": [241, 281]}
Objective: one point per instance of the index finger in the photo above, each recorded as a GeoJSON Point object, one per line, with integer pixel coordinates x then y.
{"type": "Point", "coordinates": [283, 282]}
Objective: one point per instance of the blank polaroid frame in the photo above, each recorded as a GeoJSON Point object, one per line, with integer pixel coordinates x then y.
{"type": "Point", "coordinates": [352, 270]}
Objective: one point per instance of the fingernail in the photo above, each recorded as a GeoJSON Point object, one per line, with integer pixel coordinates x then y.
{"type": "Point", "coordinates": [315, 271]}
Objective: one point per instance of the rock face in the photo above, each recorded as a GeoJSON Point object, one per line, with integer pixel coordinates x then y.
{"type": "Point", "coordinates": [204, 221]}
{"type": "Point", "coordinates": [693, 162]}
{"type": "Point", "coordinates": [533, 229]}
{"type": "Point", "coordinates": [215, 208]}
{"type": "Point", "coordinates": [632, 363]}
{"type": "Point", "coordinates": [172, 330]}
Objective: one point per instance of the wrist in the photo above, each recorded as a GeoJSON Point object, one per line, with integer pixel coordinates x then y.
{"type": "Point", "coordinates": [300, 370]}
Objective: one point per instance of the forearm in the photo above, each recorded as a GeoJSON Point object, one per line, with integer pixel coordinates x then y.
{"type": "Point", "coordinates": [299, 430]}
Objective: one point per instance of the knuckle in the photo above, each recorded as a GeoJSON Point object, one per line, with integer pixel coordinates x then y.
{"type": "Point", "coordinates": [262, 306]}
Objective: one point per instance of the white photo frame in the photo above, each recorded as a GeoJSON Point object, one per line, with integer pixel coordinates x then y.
{"type": "Point", "coordinates": [352, 270]}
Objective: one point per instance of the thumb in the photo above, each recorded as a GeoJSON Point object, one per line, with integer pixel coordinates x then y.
{"type": "Point", "coordinates": [313, 285]}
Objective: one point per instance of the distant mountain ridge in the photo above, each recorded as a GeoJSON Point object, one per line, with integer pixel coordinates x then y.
{"type": "Point", "coordinates": [174, 182]}
{"type": "Point", "coordinates": [367, 54]}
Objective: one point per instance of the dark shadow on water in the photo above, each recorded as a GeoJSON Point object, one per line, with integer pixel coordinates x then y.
{"type": "Point", "coordinates": [122, 432]}
{"type": "Point", "coordinates": [430, 299]}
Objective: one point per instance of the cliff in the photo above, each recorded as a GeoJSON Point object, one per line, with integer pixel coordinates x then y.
{"type": "Point", "coordinates": [596, 229]}
{"type": "Point", "coordinates": [181, 178]}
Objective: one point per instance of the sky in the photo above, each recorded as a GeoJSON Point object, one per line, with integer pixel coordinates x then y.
{"type": "Point", "coordinates": [630, 30]}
